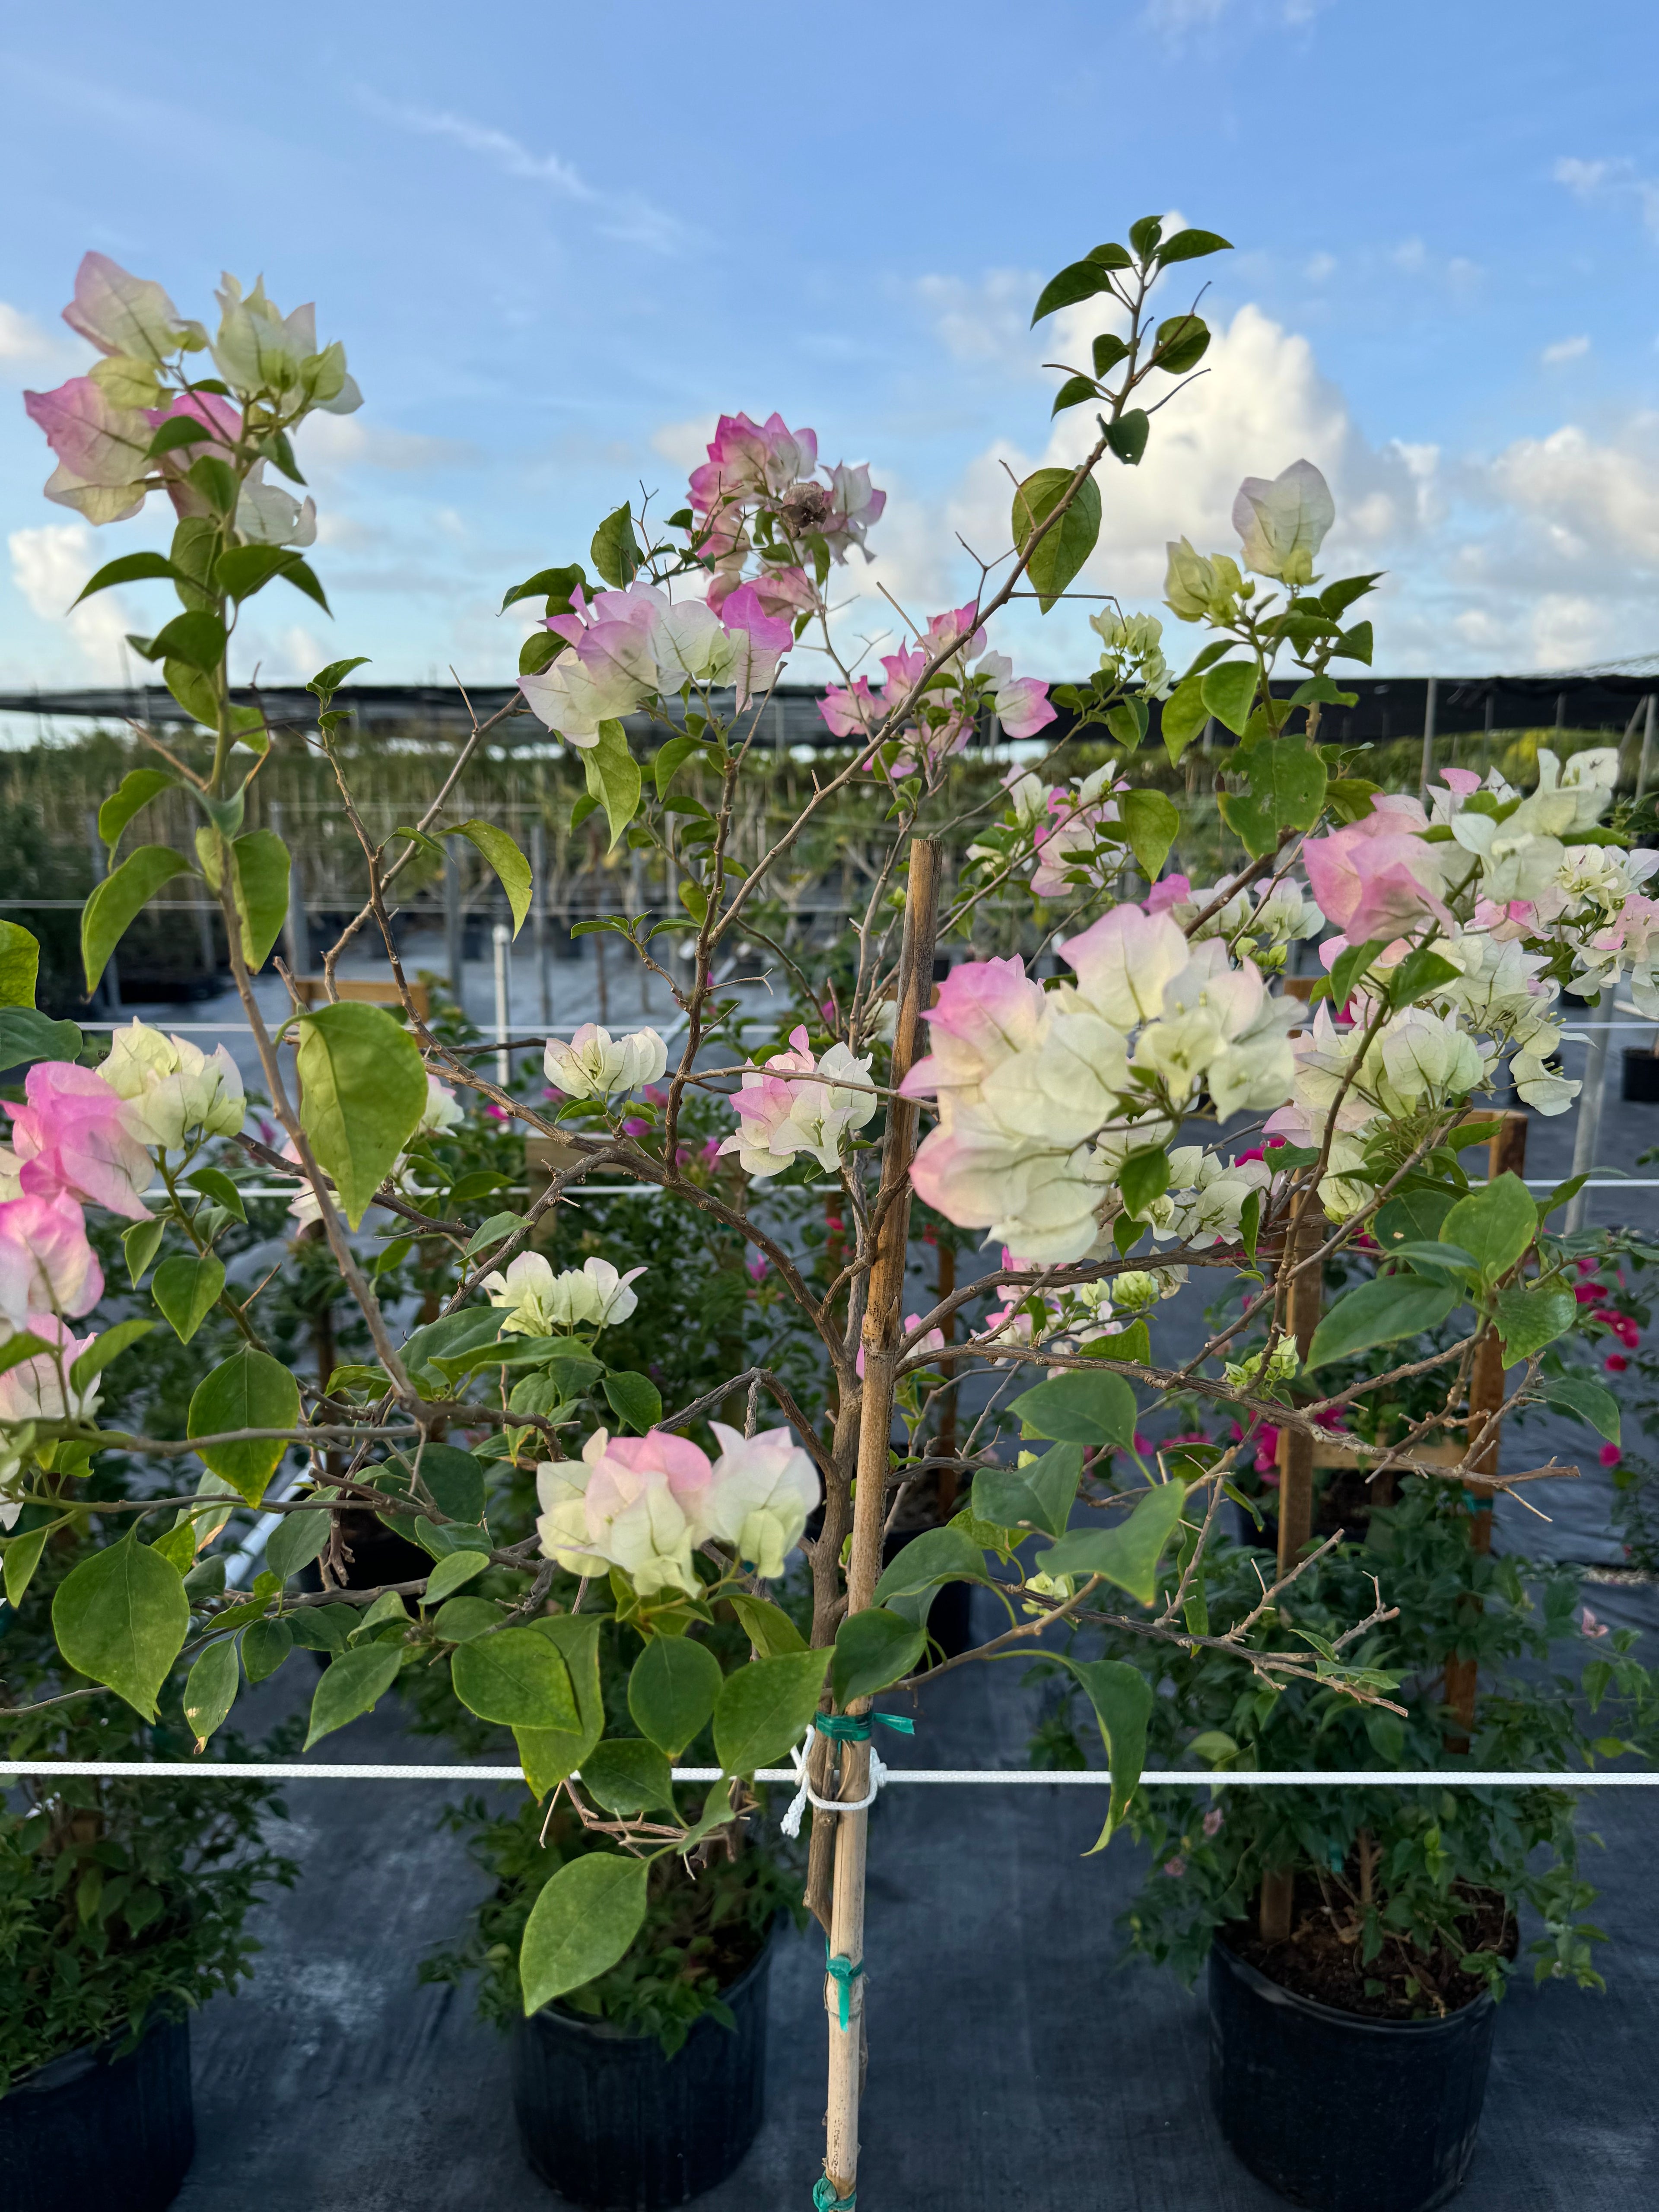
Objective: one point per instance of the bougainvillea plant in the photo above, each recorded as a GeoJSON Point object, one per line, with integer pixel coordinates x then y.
{"type": "Point", "coordinates": [1076, 1122]}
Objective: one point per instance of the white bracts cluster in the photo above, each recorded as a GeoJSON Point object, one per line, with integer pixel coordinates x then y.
{"type": "Point", "coordinates": [596, 1064]}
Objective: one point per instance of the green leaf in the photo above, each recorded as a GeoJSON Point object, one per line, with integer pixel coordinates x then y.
{"type": "Point", "coordinates": [455, 1482]}
{"type": "Point", "coordinates": [1585, 1399]}
{"type": "Point", "coordinates": [322, 1627]}
{"type": "Point", "coordinates": [517, 1678]}
{"type": "Point", "coordinates": [186, 1288]}
{"type": "Point", "coordinates": [194, 637]}
{"type": "Point", "coordinates": [1080, 1408]}
{"type": "Point", "coordinates": [1188, 245]}
{"type": "Point", "coordinates": [1133, 1343]}
{"type": "Point", "coordinates": [210, 1689]}
{"type": "Point", "coordinates": [585, 1919]}
{"type": "Point", "coordinates": [1107, 350]}
{"type": "Point", "coordinates": [1418, 974]}
{"type": "Point", "coordinates": [16, 1349]}
{"type": "Point", "coordinates": [1182, 343]}
{"type": "Point", "coordinates": [670, 759]}
{"type": "Point", "coordinates": [1527, 1320]}
{"type": "Point", "coordinates": [937, 1555]}
{"type": "Point", "coordinates": [351, 1686]}
{"type": "Point", "coordinates": [1074, 392]}
{"type": "Point", "coordinates": [19, 965]}
{"type": "Point", "coordinates": [1127, 436]}
{"type": "Point", "coordinates": [327, 681]}
{"type": "Point", "coordinates": [453, 1573]}
{"type": "Point", "coordinates": [1069, 544]}
{"type": "Point", "coordinates": [129, 568]}
{"type": "Point", "coordinates": [458, 1619]}
{"type": "Point", "coordinates": [364, 1093]}
{"type": "Point", "coordinates": [1143, 1178]}
{"type": "Point", "coordinates": [1350, 967]}
{"type": "Point", "coordinates": [768, 1626]}
{"type": "Point", "coordinates": [511, 868]}
{"type": "Point", "coordinates": [1151, 823]}
{"type": "Point", "coordinates": [140, 1244]}
{"type": "Point", "coordinates": [672, 1690]}
{"type": "Point", "coordinates": [121, 1617]}
{"type": "Point", "coordinates": [176, 431]}
{"type": "Point", "coordinates": [1356, 644]}
{"type": "Point", "coordinates": [1039, 1495]}
{"type": "Point", "coordinates": [265, 1645]}
{"type": "Point", "coordinates": [261, 893]}
{"type": "Point", "coordinates": [1127, 1554]}
{"type": "Point", "coordinates": [1077, 280]}
{"type": "Point", "coordinates": [1413, 1216]}
{"type": "Point", "coordinates": [613, 778]}
{"type": "Point", "coordinates": [1336, 599]}
{"type": "Point", "coordinates": [1497, 1225]}
{"type": "Point", "coordinates": [1287, 792]}
{"type": "Point", "coordinates": [547, 1755]}
{"type": "Point", "coordinates": [560, 586]}
{"type": "Point", "coordinates": [105, 1348]}
{"type": "Point", "coordinates": [249, 1390]}
{"type": "Point", "coordinates": [27, 1037]}
{"type": "Point", "coordinates": [296, 1540]}
{"type": "Point", "coordinates": [1182, 716]}
{"type": "Point", "coordinates": [178, 1547]}
{"type": "Point", "coordinates": [1126, 720]}
{"type": "Point", "coordinates": [635, 1400]}
{"type": "Point", "coordinates": [1123, 1699]}
{"type": "Point", "coordinates": [245, 570]}
{"type": "Point", "coordinates": [1228, 692]}
{"type": "Point", "coordinates": [874, 1649]}
{"type": "Point", "coordinates": [119, 899]}
{"type": "Point", "coordinates": [1379, 1312]}
{"type": "Point", "coordinates": [22, 1558]}
{"type": "Point", "coordinates": [214, 1184]}
{"type": "Point", "coordinates": [1144, 234]}
{"type": "Point", "coordinates": [193, 692]}
{"type": "Point", "coordinates": [615, 550]}
{"type": "Point", "coordinates": [765, 1707]}
{"type": "Point", "coordinates": [628, 1777]}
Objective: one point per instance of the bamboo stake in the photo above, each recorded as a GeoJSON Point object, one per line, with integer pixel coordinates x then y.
{"type": "Point", "coordinates": [1506, 1154]}
{"type": "Point", "coordinates": [882, 1329]}
{"type": "Point", "coordinates": [1302, 1303]}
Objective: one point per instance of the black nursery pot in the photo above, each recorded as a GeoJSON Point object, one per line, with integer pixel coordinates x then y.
{"type": "Point", "coordinates": [91, 2129]}
{"type": "Point", "coordinates": [1337, 2113]}
{"type": "Point", "coordinates": [1641, 1078]}
{"type": "Point", "coordinates": [610, 2124]}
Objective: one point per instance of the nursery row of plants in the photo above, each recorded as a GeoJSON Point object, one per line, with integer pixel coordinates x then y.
{"type": "Point", "coordinates": [614, 1488]}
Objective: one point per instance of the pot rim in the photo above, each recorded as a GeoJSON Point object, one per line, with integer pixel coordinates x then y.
{"type": "Point", "coordinates": [66, 2068]}
{"type": "Point", "coordinates": [1275, 1992]}
{"type": "Point", "coordinates": [603, 2032]}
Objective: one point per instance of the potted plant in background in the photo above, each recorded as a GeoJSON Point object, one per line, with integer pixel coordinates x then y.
{"type": "Point", "coordinates": [1349, 2051]}
{"type": "Point", "coordinates": [123, 1906]}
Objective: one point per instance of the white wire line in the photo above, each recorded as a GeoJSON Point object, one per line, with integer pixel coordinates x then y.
{"type": "Point", "coordinates": [293, 1770]}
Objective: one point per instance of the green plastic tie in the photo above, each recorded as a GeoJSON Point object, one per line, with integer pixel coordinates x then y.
{"type": "Point", "coordinates": [824, 2198]}
{"type": "Point", "coordinates": [844, 1973]}
{"type": "Point", "coordinates": [854, 1728]}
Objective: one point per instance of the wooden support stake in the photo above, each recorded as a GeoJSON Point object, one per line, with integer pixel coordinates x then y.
{"type": "Point", "coordinates": [882, 1330]}
{"type": "Point", "coordinates": [1505, 1155]}
{"type": "Point", "coordinates": [1299, 1308]}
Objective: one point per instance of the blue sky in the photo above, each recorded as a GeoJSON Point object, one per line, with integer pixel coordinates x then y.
{"type": "Point", "coordinates": [557, 243]}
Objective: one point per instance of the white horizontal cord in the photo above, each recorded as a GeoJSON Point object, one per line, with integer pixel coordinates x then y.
{"type": "Point", "coordinates": [294, 1770]}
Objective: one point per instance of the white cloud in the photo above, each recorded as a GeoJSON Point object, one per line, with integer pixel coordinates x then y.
{"type": "Point", "coordinates": [49, 565]}
{"type": "Point", "coordinates": [1566, 350]}
{"type": "Point", "coordinates": [985, 319]}
{"type": "Point", "coordinates": [1616, 179]}
{"type": "Point", "coordinates": [26, 351]}
{"type": "Point", "coordinates": [1320, 266]}
{"type": "Point", "coordinates": [684, 445]}
{"type": "Point", "coordinates": [342, 441]}
{"type": "Point", "coordinates": [627, 218]}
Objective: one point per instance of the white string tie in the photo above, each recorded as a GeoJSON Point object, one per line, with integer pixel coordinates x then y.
{"type": "Point", "coordinates": [805, 1794]}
